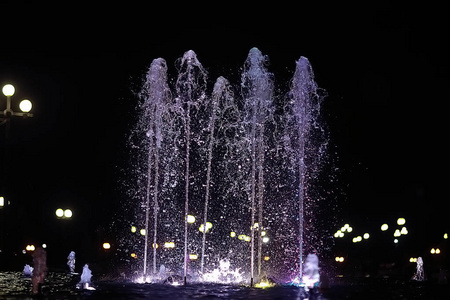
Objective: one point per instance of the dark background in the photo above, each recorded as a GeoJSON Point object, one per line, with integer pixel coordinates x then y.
{"type": "Point", "coordinates": [385, 68]}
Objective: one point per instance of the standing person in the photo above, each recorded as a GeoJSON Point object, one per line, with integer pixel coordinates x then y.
{"type": "Point", "coordinates": [40, 269]}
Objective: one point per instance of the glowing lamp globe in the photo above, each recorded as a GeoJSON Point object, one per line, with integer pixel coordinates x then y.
{"type": "Point", "coordinates": [25, 105]}
{"type": "Point", "coordinates": [68, 213]}
{"type": "Point", "coordinates": [8, 90]}
{"type": "Point", "coordinates": [59, 213]}
{"type": "Point", "coordinates": [190, 219]}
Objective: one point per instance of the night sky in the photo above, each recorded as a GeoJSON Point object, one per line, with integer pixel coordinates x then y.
{"type": "Point", "coordinates": [385, 69]}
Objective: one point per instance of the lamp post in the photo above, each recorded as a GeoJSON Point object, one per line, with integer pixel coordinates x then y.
{"type": "Point", "coordinates": [5, 118]}
{"type": "Point", "coordinates": [24, 105]}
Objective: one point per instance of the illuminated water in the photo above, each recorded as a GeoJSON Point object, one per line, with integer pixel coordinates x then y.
{"type": "Point", "coordinates": [247, 157]}
{"type": "Point", "coordinates": [420, 274]}
{"type": "Point", "coordinates": [13, 285]}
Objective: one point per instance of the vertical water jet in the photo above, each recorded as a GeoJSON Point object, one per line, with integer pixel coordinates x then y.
{"type": "Point", "coordinates": [220, 94]}
{"type": "Point", "coordinates": [257, 90]}
{"type": "Point", "coordinates": [191, 91]}
{"type": "Point", "coordinates": [300, 118]}
{"type": "Point", "coordinates": [156, 96]}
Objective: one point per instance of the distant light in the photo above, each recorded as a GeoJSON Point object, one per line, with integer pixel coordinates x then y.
{"type": "Point", "coordinates": [266, 258]}
{"type": "Point", "coordinates": [384, 227]}
{"type": "Point", "coordinates": [2, 201]}
{"type": "Point", "coordinates": [8, 90]}
{"type": "Point", "coordinates": [445, 236]}
{"type": "Point", "coordinates": [232, 234]}
{"type": "Point", "coordinates": [347, 228]}
{"type": "Point", "coordinates": [142, 231]}
{"type": "Point", "coordinates": [395, 241]}
{"type": "Point", "coordinates": [44, 246]}
{"type": "Point", "coordinates": [404, 231]}
{"type": "Point", "coordinates": [247, 238]}
{"type": "Point", "coordinates": [30, 248]}
{"type": "Point", "coordinates": [263, 284]}
{"type": "Point", "coordinates": [208, 227]}
{"type": "Point", "coordinates": [190, 219]}
{"type": "Point", "coordinates": [339, 234]}
{"type": "Point", "coordinates": [263, 232]}
{"type": "Point", "coordinates": [59, 212]}
{"type": "Point", "coordinates": [339, 259]}
{"type": "Point", "coordinates": [413, 259]}
{"type": "Point", "coordinates": [133, 255]}
{"type": "Point", "coordinates": [366, 236]}
{"type": "Point", "coordinates": [68, 213]}
{"type": "Point", "coordinates": [133, 229]}
{"type": "Point", "coordinates": [25, 105]}
{"type": "Point", "coordinates": [265, 239]}
{"type": "Point", "coordinates": [169, 245]}
{"type": "Point", "coordinates": [106, 246]}
{"type": "Point", "coordinates": [193, 256]}
{"type": "Point", "coordinates": [401, 221]}
{"type": "Point", "coordinates": [435, 251]}
{"type": "Point", "coordinates": [357, 239]}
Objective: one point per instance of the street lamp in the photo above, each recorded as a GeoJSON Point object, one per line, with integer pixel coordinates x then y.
{"type": "Point", "coordinates": [5, 116]}
{"type": "Point", "coordinates": [63, 214]}
{"type": "Point", "coordinates": [25, 105]}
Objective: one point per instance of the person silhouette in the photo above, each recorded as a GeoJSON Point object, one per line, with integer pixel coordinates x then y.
{"type": "Point", "coordinates": [39, 270]}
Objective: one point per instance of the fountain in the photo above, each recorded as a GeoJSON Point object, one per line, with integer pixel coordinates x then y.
{"type": "Point", "coordinates": [71, 262]}
{"type": "Point", "coordinates": [242, 160]}
{"type": "Point", "coordinates": [85, 281]}
{"type": "Point", "coordinates": [311, 275]}
{"type": "Point", "coordinates": [419, 275]}
{"type": "Point", "coordinates": [28, 270]}
{"type": "Point", "coordinates": [223, 274]}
